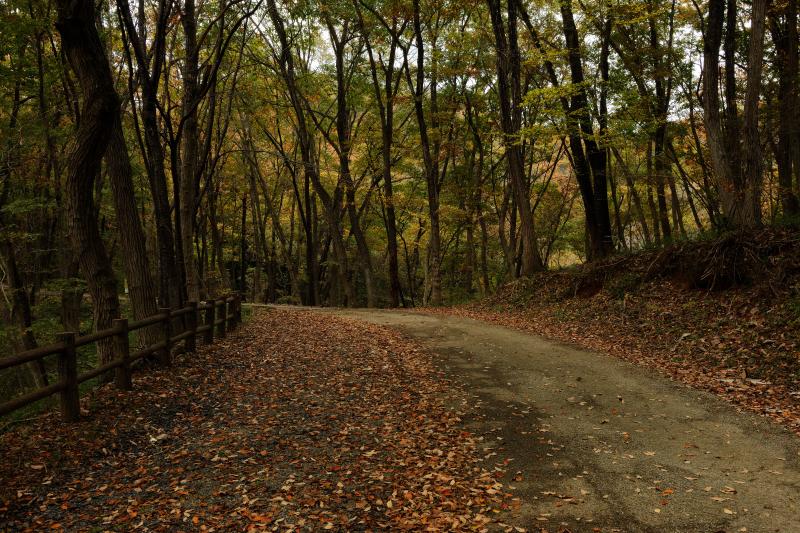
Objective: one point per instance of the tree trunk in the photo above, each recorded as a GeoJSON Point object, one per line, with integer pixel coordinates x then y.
{"type": "Point", "coordinates": [637, 201]}
{"type": "Point", "coordinates": [430, 158]}
{"type": "Point", "coordinates": [250, 156]}
{"type": "Point", "coordinates": [747, 212]}
{"type": "Point", "coordinates": [510, 96]}
{"type": "Point", "coordinates": [472, 119]}
{"type": "Point", "coordinates": [783, 26]}
{"type": "Point", "coordinates": [169, 282]}
{"type": "Point", "coordinates": [738, 184]}
{"type": "Point", "coordinates": [661, 167]}
{"type": "Point", "coordinates": [134, 249]}
{"type": "Point", "coordinates": [651, 204]}
{"type": "Point", "coordinates": [343, 134]}
{"type": "Point", "coordinates": [21, 312]}
{"type": "Point", "coordinates": [189, 148]}
{"type": "Point", "coordinates": [385, 101]}
{"type": "Point", "coordinates": [99, 115]}
{"type": "Point", "coordinates": [242, 285]}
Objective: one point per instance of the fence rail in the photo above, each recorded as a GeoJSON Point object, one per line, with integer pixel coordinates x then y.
{"type": "Point", "coordinates": [219, 316]}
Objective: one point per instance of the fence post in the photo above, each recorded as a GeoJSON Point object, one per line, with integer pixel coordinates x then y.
{"type": "Point", "coordinates": [191, 340]}
{"type": "Point", "coordinates": [210, 317]}
{"type": "Point", "coordinates": [238, 308]}
{"type": "Point", "coordinates": [166, 329]}
{"type": "Point", "coordinates": [222, 318]}
{"type": "Point", "coordinates": [231, 314]}
{"type": "Point", "coordinates": [68, 374]}
{"type": "Point", "coordinates": [122, 352]}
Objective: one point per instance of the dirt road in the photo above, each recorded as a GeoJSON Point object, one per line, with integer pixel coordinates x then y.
{"type": "Point", "coordinates": [597, 444]}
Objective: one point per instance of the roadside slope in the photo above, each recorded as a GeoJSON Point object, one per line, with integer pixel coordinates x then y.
{"type": "Point", "coordinates": [721, 315]}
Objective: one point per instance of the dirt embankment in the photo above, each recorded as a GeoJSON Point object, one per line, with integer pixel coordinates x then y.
{"type": "Point", "coordinates": [721, 314]}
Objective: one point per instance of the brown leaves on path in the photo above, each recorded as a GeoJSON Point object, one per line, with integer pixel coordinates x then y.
{"type": "Point", "coordinates": [299, 421]}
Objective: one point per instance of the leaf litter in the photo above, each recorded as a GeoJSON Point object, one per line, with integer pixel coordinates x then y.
{"type": "Point", "coordinates": [298, 421]}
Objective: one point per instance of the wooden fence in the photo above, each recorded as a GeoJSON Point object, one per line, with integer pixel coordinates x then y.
{"type": "Point", "coordinates": [219, 316]}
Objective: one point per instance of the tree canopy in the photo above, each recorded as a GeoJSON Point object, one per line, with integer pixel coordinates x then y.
{"type": "Point", "coordinates": [375, 152]}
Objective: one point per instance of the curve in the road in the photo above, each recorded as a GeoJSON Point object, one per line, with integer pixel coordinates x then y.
{"type": "Point", "coordinates": [596, 442]}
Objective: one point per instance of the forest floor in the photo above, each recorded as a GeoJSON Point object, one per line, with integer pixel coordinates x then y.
{"type": "Point", "coordinates": [363, 420]}
{"type": "Point", "coordinates": [597, 444]}
{"type": "Point", "coordinates": [297, 421]}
